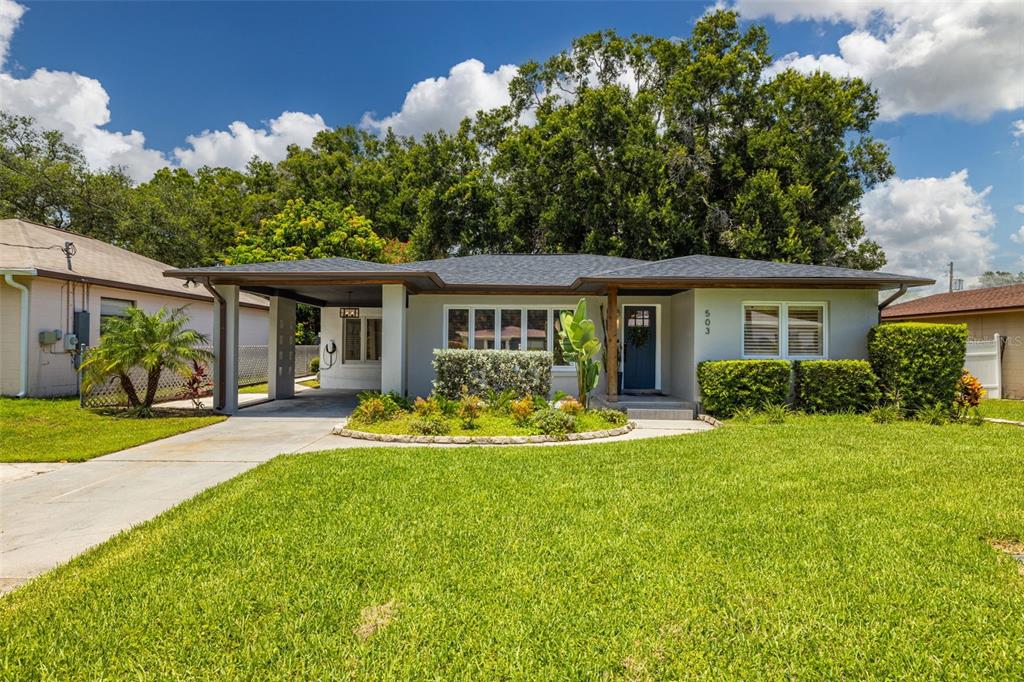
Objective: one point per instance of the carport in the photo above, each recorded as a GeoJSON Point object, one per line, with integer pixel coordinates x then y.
{"type": "Point", "coordinates": [324, 282]}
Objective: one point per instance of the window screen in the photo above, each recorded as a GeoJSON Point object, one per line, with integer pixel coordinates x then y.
{"type": "Point", "coordinates": [761, 330]}
{"type": "Point", "coordinates": [373, 339]}
{"type": "Point", "coordinates": [804, 330]}
{"type": "Point", "coordinates": [352, 351]}
{"type": "Point", "coordinates": [458, 328]}
{"type": "Point", "coordinates": [511, 329]}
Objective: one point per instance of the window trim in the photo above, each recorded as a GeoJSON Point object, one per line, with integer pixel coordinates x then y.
{"type": "Point", "coordinates": [783, 307]}
{"type": "Point", "coordinates": [497, 308]}
{"type": "Point", "coordinates": [362, 340]}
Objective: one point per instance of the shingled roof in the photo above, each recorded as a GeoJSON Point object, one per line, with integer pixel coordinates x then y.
{"type": "Point", "coordinates": [993, 299]}
{"type": "Point", "coordinates": [36, 249]}
{"type": "Point", "coordinates": [571, 272]}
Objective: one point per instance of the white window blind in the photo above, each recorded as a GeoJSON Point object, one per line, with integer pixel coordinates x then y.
{"type": "Point", "coordinates": [761, 330]}
{"type": "Point", "coordinates": [804, 330]}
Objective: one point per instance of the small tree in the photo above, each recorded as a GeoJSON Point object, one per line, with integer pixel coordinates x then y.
{"type": "Point", "coordinates": [152, 342]}
{"type": "Point", "coordinates": [580, 345]}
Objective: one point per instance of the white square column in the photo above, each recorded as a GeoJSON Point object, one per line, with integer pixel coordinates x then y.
{"type": "Point", "coordinates": [281, 349]}
{"type": "Point", "coordinates": [225, 348]}
{"type": "Point", "coordinates": [392, 365]}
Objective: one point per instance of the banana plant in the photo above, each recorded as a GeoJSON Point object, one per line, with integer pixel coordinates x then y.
{"type": "Point", "coordinates": [579, 343]}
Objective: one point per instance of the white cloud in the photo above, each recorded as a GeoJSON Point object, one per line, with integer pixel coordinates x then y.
{"type": "Point", "coordinates": [441, 103]}
{"type": "Point", "coordinates": [1018, 236]}
{"type": "Point", "coordinates": [239, 143]}
{"type": "Point", "coordinates": [79, 107]}
{"type": "Point", "coordinates": [924, 223]}
{"type": "Point", "coordinates": [10, 16]}
{"type": "Point", "coordinates": [962, 58]}
{"type": "Point", "coordinates": [1017, 128]}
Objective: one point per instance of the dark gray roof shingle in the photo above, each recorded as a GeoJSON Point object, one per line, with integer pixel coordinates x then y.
{"type": "Point", "coordinates": [555, 270]}
{"type": "Point", "coordinates": [722, 268]}
{"type": "Point", "coordinates": [313, 265]}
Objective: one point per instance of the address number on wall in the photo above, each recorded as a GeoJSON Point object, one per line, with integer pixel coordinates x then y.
{"type": "Point", "coordinates": [707, 322]}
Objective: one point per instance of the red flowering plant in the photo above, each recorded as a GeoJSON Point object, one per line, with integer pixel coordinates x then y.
{"type": "Point", "coordinates": [969, 393]}
{"type": "Point", "coordinates": [197, 384]}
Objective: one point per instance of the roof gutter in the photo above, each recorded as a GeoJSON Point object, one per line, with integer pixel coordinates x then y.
{"type": "Point", "coordinates": [25, 337]}
{"type": "Point", "coordinates": [222, 337]}
{"type": "Point", "coordinates": [887, 302]}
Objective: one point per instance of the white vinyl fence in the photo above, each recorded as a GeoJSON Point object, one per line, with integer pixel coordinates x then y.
{"type": "Point", "coordinates": [985, 361]}
{"type": "Point", "coordinates": [252, 369]}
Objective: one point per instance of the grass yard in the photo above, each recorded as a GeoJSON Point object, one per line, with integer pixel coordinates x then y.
{"type": "Point", "coordinates": [822, 548]}
{"type": "Point", "coordinates": [1003, 409]}
{"type": "Point", "coordinates": [55, 430]}
{"type": "Point", "coordinates": [264, 388]}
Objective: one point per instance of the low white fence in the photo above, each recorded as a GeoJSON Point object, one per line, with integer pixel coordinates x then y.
{"type": "Point", "coordinates": [252, 369]}
{"type": "Point", "coordinates": [985, 361]}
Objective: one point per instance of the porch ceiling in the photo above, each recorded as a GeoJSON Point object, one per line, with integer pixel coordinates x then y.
{"type": "Point", "coordinates": [362, 295]}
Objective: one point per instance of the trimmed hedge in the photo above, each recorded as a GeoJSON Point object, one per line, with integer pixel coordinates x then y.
{"type": "Point", "coordinates": [918, 364]}
{"type": "Point", "coordinates": [730, 385]}
{"type": "Point", "coordinates": [522, 372]}
{"type": "Point", "coordinates": [835, 385]}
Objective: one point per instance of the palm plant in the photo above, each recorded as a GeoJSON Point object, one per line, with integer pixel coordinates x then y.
{"type": "Point", "coordinates": [151, 342]}
{"type": "Point", "coordinates": [580, 345]}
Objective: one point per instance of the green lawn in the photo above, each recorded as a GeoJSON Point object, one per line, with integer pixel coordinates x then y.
{"type": "Point", "coordinates": [826, 547]}
{"type": "Point", "coordinates": [54, 430]}
{"type": "Point", "coordinates": [263, 388]}
{"type": "Point", "coordinates": [1003, 409]}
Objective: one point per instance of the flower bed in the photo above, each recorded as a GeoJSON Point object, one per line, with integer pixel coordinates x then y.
{"type": "Point", "coordinates": [499, 419]}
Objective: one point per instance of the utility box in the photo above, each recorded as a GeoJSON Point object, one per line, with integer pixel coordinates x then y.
{"type": "Point", "coordinates": [81, 326]}
{"type": "Point", "coordinates": [71, 343]}
{"type": "Point", "coordinates": [50, 337]}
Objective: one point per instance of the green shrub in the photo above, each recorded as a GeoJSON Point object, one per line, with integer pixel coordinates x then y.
{"type": "Point", "coordinates": [425, 408]}
{"type": "Point", "coordinates": [374, 408]}
{"type": "Point", "coordinates": [498, 402]}
{"type": "Point", "coordinates": [571, 406]}
{"type": "Point", "coordinates": [395, 402]}
{"type": "Point", "coordinates": [886, 414]}
{"type": "Point", "coordinates": [729, 385]}
{"type": "Point", "coordinates": [470, 409]}
{"type": "Point", "coordinates": [745, 414]}
{"type": "Point", "coordinates": [775, 413]}
{"type": "Point", "coordinates": [918, 365]}
{"type": "Point", "coordinates": [612, 416]}
{"type": "Point", "coordinates": [936, 415]}
{"type": "Point", "coordinates": [553, 422]}
{"type": "Point", "coordinates": [835, 386]}
{"type": "Point", "coordinates": [314, 365]}
{"type": "Point", "coordinates": [522, 409]}
{"type": "Point", "coordinates": [431, 425]}
{"type": "Point", "coordinates": [521, 372]}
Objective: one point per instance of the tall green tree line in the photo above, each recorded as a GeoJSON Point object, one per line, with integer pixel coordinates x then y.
{"type": "Point", "coordinates": [634, 146]}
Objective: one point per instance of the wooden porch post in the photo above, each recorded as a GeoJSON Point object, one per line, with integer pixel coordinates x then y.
{"type": "Point", "coordinates": [611, 344]}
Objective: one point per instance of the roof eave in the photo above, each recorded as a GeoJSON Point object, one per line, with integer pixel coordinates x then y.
{"type": "Point", "coordinates": [744, 282]}
{"type": "Point", "coordinates": [343, 276]}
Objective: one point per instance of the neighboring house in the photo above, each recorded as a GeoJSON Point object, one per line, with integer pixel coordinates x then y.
{"type": "Point", "coordinates": [986, 312]}
{"type": "Point", "coordinates": [384, 321]}
{"type": "Point", "coordinates": [48, 287]}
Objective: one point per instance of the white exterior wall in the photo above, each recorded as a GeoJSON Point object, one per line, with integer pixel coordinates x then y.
{"type": "Point", "coordinates": [51, 372]}
{"type": "Point", "coordinates": [850, 312]}
{"type": "Point", "coordinates": [683, 323]}
{"type": "Point", "coordinates": [358, 376]}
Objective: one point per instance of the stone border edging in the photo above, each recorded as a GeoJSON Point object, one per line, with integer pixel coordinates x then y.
{"type": "Point", "coordinates": [994, 420]}
{"type": "Point", "coordinates": [481, 440]}
{"type": "Point", "coordinates": [707, 418]}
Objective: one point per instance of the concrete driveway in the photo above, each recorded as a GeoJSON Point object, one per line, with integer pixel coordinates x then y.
{"type": "Point", "coordinates": [47, 519]}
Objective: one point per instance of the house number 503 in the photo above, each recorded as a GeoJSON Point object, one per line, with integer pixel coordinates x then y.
{"type": "Point", "coordinates": [707, 322]}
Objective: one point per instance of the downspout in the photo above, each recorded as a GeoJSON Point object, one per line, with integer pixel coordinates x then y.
{"type": "Point", "coordinates": [222, 330]}
{"type": "Point", "coordinates": [23, 357]}
{"type": "Point", "coordinates": [889, 301]}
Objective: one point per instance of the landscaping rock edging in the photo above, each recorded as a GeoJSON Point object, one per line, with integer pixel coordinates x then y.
{"type": "Point", "coordinates": [481, 440]}
{"type": "Point", "coordinates": [708, 419]}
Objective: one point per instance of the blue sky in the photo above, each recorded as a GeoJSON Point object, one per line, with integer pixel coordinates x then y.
{"type": "Point", "coordinates": [174, 70]}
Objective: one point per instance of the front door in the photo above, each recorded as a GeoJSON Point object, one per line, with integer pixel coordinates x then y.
{"type": "Point", "coordinates": [639, 347]}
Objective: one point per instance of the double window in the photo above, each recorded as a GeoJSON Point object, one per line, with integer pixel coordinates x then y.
{"type": "Point", "coordinates": [361, 339]}
{"type": "Point", "coordinates": [504, 328]}
{"type": "Point", "coordinates": [785, 330]}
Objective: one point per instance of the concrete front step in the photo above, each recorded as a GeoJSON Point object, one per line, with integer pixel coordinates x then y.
{"type": "Point", "coordinates": [651, 407]}
{"type": "Point", "coordinates": [658, 413]}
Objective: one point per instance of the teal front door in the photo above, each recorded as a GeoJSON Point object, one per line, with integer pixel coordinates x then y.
{"type": "Point", "coordinates": [639, 347]}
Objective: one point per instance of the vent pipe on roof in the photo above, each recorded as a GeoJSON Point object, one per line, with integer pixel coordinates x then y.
{"type": "Point", "coordinates": [23, 356]}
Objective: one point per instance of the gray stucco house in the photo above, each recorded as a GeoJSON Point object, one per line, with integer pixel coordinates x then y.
{"type": "Point", "coordinates": [381, 323]}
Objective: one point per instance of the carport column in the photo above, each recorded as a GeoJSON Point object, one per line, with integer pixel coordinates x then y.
{"type": "Point", "coordinates": [392, 365]}
{"type": "Point", "coordinates": [225, 344]}
{"type": "Point", "coordinates": [281, 349]}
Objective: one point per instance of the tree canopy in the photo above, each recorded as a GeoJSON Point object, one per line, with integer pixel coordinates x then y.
{"type": "Point", "coordinates": [635, 146]}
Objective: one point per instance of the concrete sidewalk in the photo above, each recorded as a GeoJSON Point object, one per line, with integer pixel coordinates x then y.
{"type": "Point", "coordinates": [47, 519]}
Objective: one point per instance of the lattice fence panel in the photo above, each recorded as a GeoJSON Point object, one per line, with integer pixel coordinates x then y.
{"type": "Point", "coordinates": [252, 369]}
